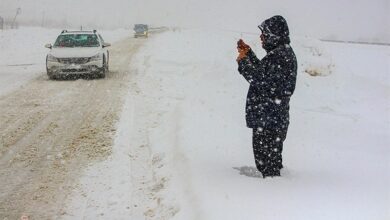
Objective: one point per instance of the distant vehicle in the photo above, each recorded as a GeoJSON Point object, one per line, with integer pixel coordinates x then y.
{"type": "Point", "coordinates": [77, 52]}
{"type": "Point", "coordinates": [141, 30]}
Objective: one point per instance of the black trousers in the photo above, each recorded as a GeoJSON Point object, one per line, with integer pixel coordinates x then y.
{"type": "Point", "coordinates": [267, 149]}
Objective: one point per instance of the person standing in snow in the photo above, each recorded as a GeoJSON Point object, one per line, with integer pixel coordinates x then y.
{"type": "Point", "coordinates": [271, 84]}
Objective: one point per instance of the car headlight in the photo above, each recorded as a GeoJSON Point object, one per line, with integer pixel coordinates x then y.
{"type": "Point", "coordinates": [51, 58]}
{"type": "Point", "coordinates": [97, 57]}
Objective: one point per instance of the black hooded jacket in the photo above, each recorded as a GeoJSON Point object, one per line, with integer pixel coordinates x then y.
{"type": "Point", "coordinates": [272, 79]}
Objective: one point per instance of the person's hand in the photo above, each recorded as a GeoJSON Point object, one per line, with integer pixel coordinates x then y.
{"type": "Point", "coordinates": [242, 49]}
{"type": "Point", "coordinates": [242, 45]}
{"type": "Point", "coordinates": [241, 54]}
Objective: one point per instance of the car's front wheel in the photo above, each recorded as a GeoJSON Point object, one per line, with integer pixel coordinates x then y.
{"type": "Point", "coordinates": [49, 73]}
{"type": "Point", "coordinates": [107, 62]}
{"type": "Point", "coordinates": [104, 70]}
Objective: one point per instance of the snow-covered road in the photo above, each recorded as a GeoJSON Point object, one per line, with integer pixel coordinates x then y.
{"type": "Point", "coordinates": [51, 130]}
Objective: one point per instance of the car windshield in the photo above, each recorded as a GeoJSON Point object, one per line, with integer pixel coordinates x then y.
{"type": "Point", "coordinates": [77, 40]}
{"type": "Point", "coordinates": [140, 28]}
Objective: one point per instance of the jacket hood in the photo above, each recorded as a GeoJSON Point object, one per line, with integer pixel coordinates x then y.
{"type": "Point", "coordinates": [275, 31]}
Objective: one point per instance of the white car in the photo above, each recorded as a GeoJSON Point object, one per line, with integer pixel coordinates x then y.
{"type": "Point", "coordinates": [77, 52]}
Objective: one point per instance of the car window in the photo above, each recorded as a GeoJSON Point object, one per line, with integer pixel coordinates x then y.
{"type": "Point", "coordinates": [77, 40]}
{"type": "Point", "coordinates": [140, 28]}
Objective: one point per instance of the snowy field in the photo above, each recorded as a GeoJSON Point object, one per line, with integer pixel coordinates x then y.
{"type": "Point", "coordinates": [187, 101]}
{"type": "Point", "coordinates": [336, 153]}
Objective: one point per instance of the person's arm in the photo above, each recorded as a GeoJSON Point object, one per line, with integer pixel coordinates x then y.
{"type": "Point", "coordinates": [252, 57]}
{"type": "Point", "coordinates": [252, 72]}
{"type": "Point", "coordinates": [249, 65]}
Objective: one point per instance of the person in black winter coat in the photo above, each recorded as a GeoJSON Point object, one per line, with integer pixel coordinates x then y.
{"type": "Point", "coordinates": [271, 84]}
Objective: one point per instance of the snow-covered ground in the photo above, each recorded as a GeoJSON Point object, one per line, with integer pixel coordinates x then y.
{"type": "Point", "coordinates": [181, 141]}
{"type": "Point", "coordinates": [336, 153]}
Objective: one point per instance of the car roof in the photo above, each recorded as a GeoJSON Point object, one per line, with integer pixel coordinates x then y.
{"type": "Point", "coordinates": [78, 32]}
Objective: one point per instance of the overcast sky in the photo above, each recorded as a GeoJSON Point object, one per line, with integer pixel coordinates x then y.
{"type": "Point", "coordinates": [343, 19]}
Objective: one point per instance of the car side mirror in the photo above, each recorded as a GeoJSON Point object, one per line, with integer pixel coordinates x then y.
{"type": "Point", "coordinates": [106, 45]}
{"type": "Point", "coordinates": [48, 46]}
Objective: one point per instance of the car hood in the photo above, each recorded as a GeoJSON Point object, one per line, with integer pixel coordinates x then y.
{"type": "Point", "coordinates": [74, 52]}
